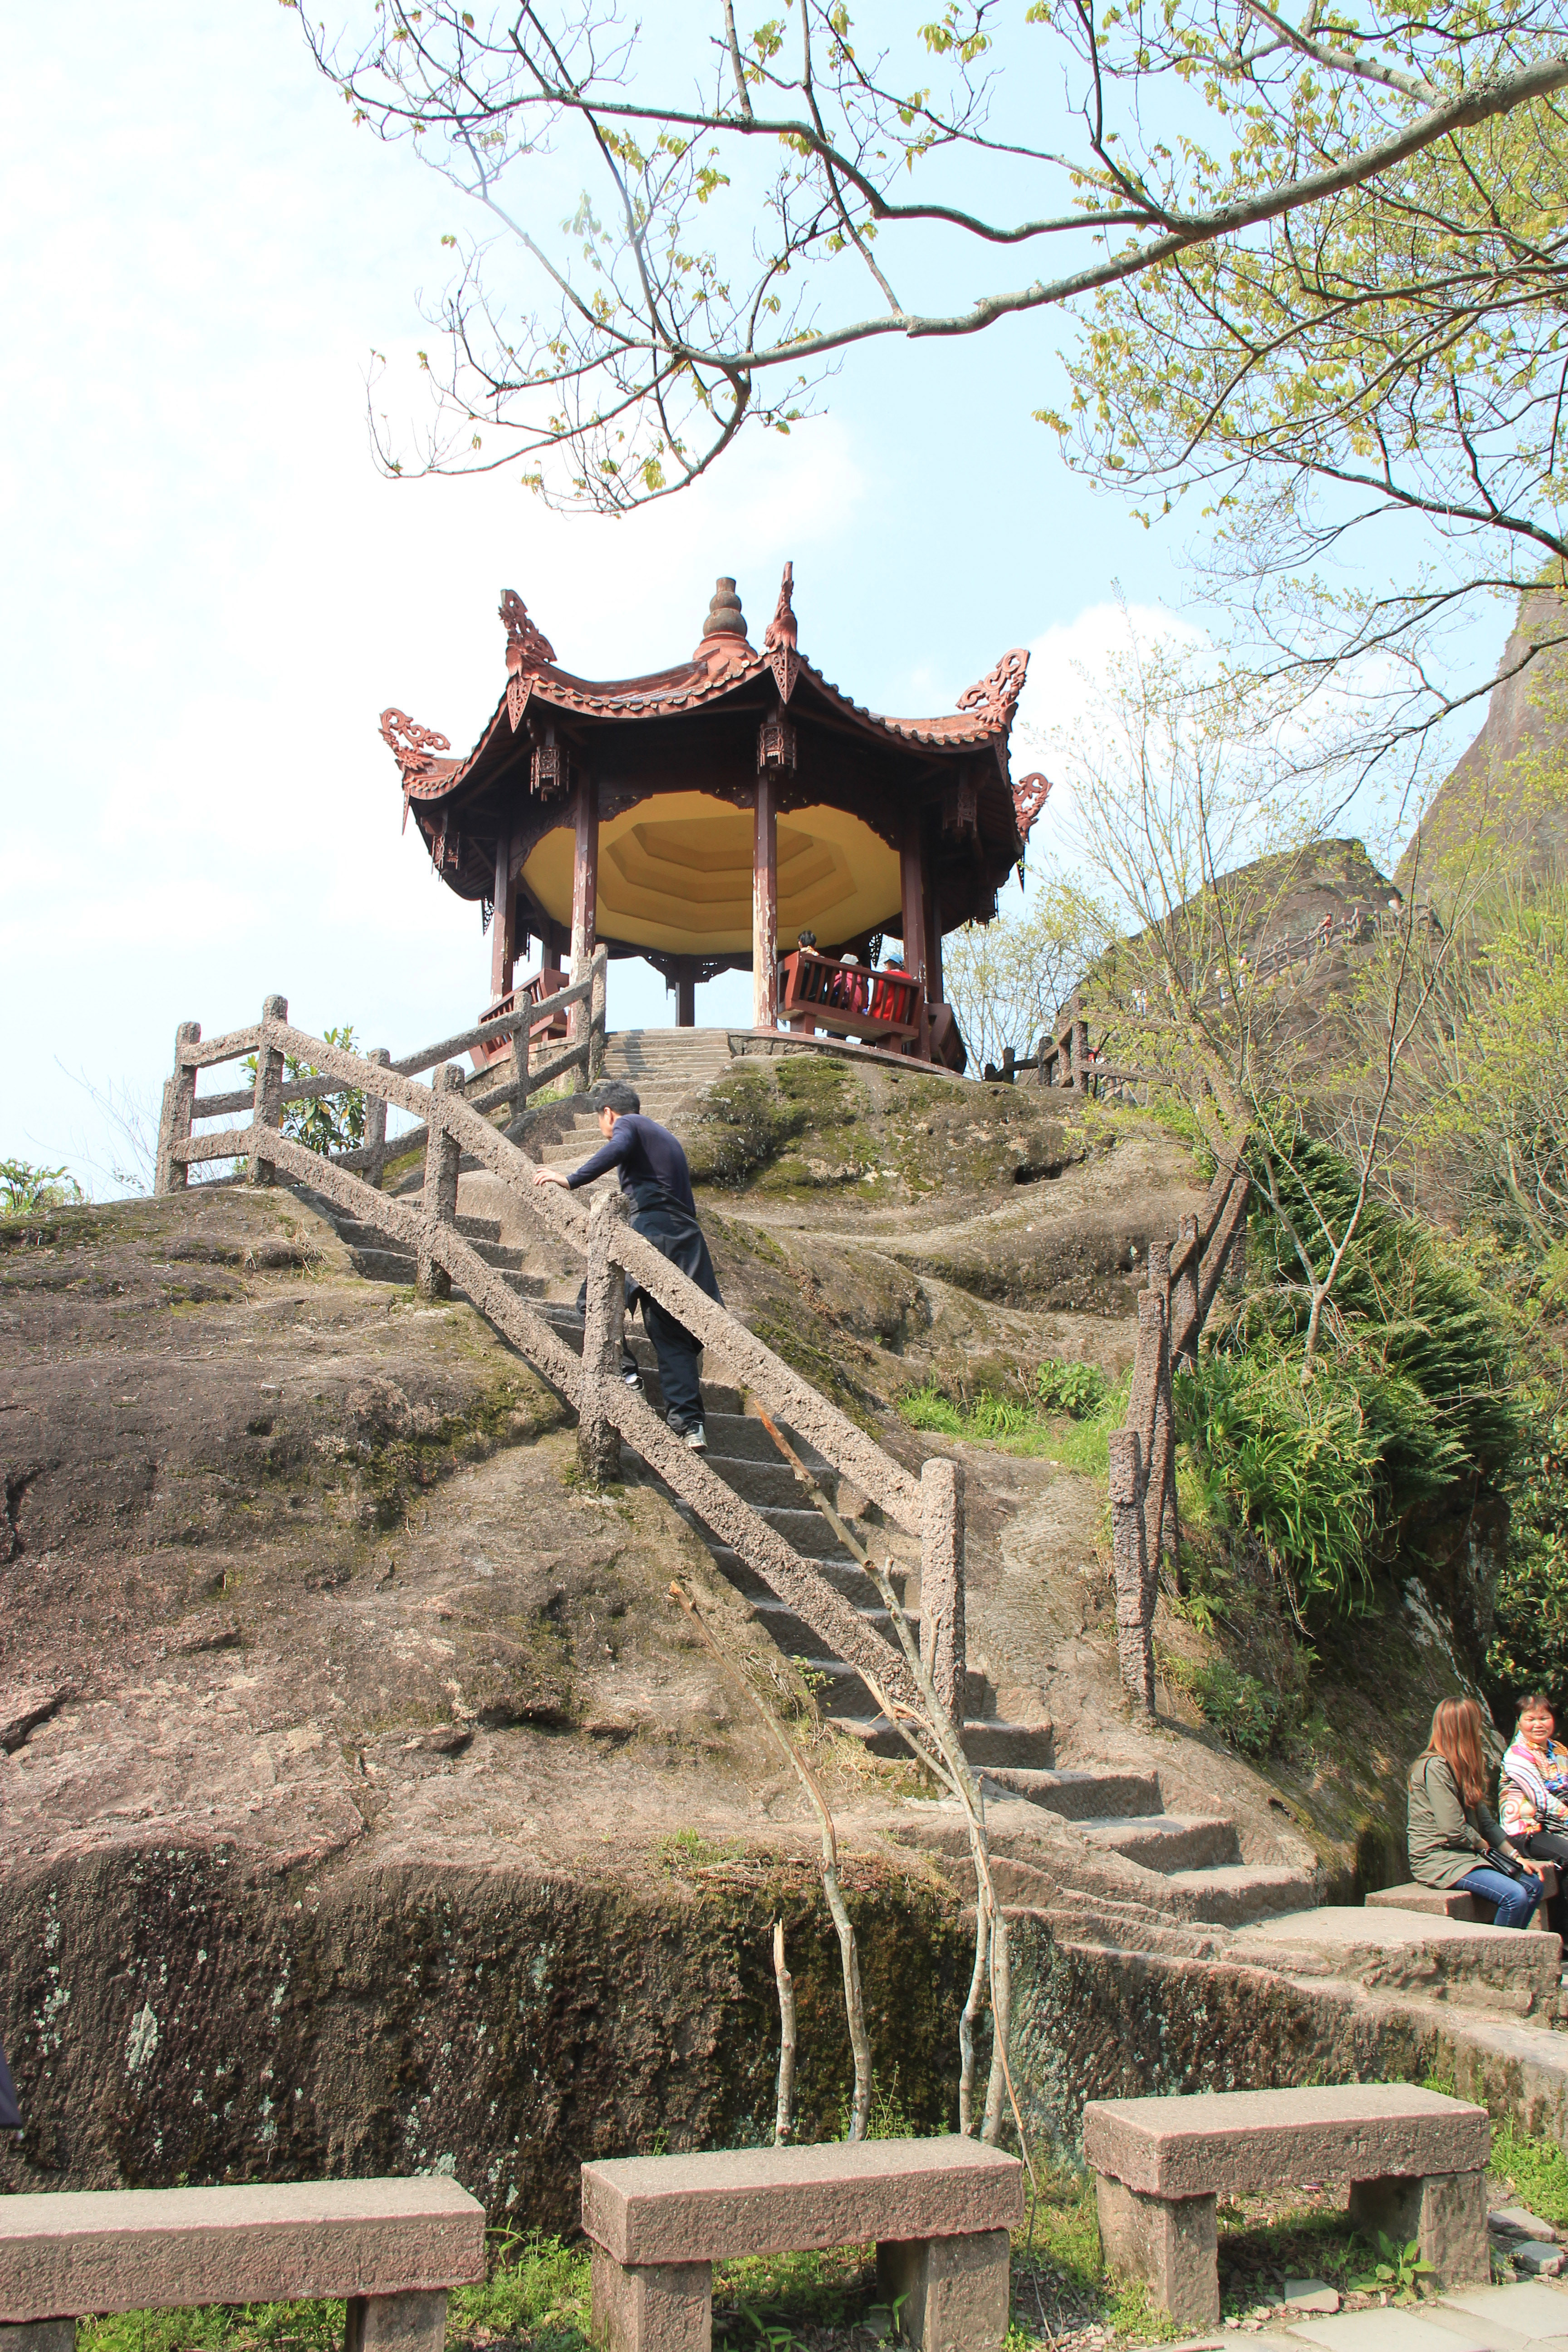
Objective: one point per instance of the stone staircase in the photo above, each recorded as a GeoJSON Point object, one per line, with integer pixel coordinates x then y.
{"type": "Point", "coordinates": [1095, 1851]}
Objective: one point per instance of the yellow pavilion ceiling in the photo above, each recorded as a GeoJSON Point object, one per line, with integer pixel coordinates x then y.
{"type": "Point", "coordinates": [675, 875]}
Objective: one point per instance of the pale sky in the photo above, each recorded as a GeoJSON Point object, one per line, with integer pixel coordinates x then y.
{"type": "Point", "coordinates": [210, 594]}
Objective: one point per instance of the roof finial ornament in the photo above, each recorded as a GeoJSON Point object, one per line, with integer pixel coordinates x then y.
{"type": "Point", "coordinates": [528, 650]}
{"type": "Point", "coordinates": [725, 618]}
{"type": "Point", "coordinates": [780, 638]}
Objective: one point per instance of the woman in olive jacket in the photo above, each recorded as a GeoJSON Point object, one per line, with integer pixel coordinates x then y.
{"type": "Point", "coordinates": [1451, 1828]}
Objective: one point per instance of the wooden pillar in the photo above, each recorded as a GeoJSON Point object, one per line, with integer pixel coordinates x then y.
{"type": "Point", "coordinates": [584, 905]}
{"type": "Point", "coordinates": [765, 906]}
{"type": "Point", "coordinates": [933, 942]}
{"type": "Point", "coordinates": [686, 993]}
{"type": "Point", "coordinates": [911, 877]}
{"type": "Point", "coordinates": [503, 924]}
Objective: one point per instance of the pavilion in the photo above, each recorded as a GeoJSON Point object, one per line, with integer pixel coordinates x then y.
{"type": "Point", "coordinates": [703, 816]}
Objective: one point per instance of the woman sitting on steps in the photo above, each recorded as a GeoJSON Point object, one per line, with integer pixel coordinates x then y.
{"type": "Point", "coordinates": [1450, 1831]}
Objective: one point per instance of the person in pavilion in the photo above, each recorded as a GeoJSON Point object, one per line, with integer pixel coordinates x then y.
{"type": "Point", "coordinates": [655, 1176]}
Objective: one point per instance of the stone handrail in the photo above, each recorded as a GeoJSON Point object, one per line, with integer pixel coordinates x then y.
{"type": "Point", "coordinates": [182, 1105]}
{"type": "Point", "coordinates": [453, 1124]}
{"type": "Point", "coordinates": [1184, 1277]}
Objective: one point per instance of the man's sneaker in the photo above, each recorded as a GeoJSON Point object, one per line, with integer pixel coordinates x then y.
{"type": "Point", "coordinates": [632, 1377]}
{"type": "Point", "coordinates": [696, 1438]}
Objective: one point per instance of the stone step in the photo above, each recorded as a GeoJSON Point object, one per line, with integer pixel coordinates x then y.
{"type": "Point", "coordinates": [1169, 1842]}
{"type": "Point", "coordinates": [377, 1263]}
{"type": "Point", "coordinates": [798, 1640]}
{"type": "Point", "coordinates": [1080, 1796]}
{"type": "Point", "coordinates": [841, 1693]}
{"type": "Point", "coordinates": [847, 1577]}
{"type": "Point", "coordinates": [1093, 1927]}
{"type": "Point", "coordinates": [477, 1229]}
{"type": "Point", "coordinates": [986, 1742]}
{"type": "Point", "coordinates": [1451, 1960]}
{"type": "Point", "coordinates": [1236, 1895]}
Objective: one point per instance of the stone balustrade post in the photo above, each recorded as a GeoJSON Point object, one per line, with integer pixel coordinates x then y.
{"type": "Point", "coordinates": [439, 1205]}
{"type": "Point", "coordinates": [597, 1014]}
{"type": "Point", "coordinates": [1160, 1523]}
{"type": "Point", "coordinates": [1134, 1601]}
{"type": "Point", "coordinates": [174, 1116]}
{"type": "Point", "coordinates": [375, 1123]}
{"type": "Point", "coordinates": [943, 1642]}
{"type": "Point", "coordinates": [522, 1051]}
{"type": "Point", "coordinates": [267, 1101]}
{"type": "Point", "coordinates": [598, 1439]}
{"type": "Point", "coordinates": [1184, 1300]}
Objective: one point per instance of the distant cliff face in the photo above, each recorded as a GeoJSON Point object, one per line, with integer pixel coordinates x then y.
{"type": "Point", "coordinates": [1505, 803]}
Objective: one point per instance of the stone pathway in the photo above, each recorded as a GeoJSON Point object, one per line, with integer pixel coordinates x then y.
{"type": "Point", "coordinates": [1481, 2319]}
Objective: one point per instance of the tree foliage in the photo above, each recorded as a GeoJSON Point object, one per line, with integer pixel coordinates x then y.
{"type": "Point", "coordinates": [1396, 352]}
{"type": "Point", "coordinates": [695, 225]}
{"type": "Point", "coordinates": [26, 1189]}
{"type": "Point", "coordinates": [1008, 980]}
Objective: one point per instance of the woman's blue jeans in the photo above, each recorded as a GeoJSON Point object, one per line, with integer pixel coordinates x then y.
{"type": "Point", "coordinates": [1515, 1898]}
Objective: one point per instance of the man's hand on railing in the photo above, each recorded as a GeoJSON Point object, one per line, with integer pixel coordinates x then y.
{"type": "Point", "coordinates": [552, 1176]}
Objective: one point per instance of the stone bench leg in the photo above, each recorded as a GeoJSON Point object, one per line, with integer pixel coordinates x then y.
{"type": "Point", "coordinates": [396, 2323]}
{"type": "Point", "coordinates": [950, 2291]}
{"type": "Point", "coordinates": [652, 2307]}
{"type": "Point", "coordinates": [1447, 2213]}
{"type": "Point", "coordinates": [39, 2336]}
{"type": "Point", "coordinates": [1169, 2242]}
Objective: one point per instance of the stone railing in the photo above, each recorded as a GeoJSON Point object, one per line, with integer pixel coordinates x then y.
{"type": "Point", "coordinates": [453, 1125]}
{"type": "Point", "coordinates": [1068, 1060]}
{"type": "Point", "coordinates": [1184, 1277]}
{"type": "Point", "coordinates": [274, 1088]}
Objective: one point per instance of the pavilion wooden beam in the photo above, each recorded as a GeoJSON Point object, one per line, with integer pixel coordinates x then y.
{"type": "Point", "coordinates": [765, 905]}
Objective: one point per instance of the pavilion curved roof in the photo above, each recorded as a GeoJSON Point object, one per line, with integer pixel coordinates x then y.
{"type": "Point", "coordinates": [724, 664]}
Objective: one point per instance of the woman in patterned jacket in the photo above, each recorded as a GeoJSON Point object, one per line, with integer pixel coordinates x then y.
{"type": "Point", "coordinates": [1532, 1797]}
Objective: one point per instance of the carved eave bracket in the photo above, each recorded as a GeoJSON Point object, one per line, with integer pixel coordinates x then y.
{"type": "Point", "coordinates": [415, 748]}
{"type": "Point", "coordinates": [779, 639]}
{"type": "Point", "coordinates": [528, 651]}
{"type": "Point", "coordinates": [994, 698]}
{"type": "Point", "coordinates": [1029, 796]}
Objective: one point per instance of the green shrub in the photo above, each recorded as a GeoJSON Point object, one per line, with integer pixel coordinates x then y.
{"type": "Point", "coordinates": [26, 1191]}
{"type": "Point", "coordinates": [1298, 1466]}
{"type": "Point", "coordinates": [1077, 1390]}
{"type": "Point", "coordinates": [332, 1122]}
{"type": "Point", "coordinates": [1530, 1644]}
{"type": "Point", "coordinates": [1245, 1715]}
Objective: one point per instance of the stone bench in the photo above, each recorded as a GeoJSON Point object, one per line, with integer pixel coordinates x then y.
{"type": "Point", "coordinates": [1416, 2162]}
{"type": "Point", "coordinates": [392, 2247]}
{"type": "Point", "coordinates": [1457, 1903]}
{"type": "Point", "coordinates": [940, 2210]}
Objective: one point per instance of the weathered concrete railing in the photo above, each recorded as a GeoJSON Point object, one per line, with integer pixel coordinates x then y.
{"type": "Point", "coordinates": [1171, 1312]}
{"type": "Point", "coordinates": [1071, 1061]}
{"type": "Point", "coordinates": [608, 1411]}
{"type": "Point", "coordinates": [182, 1105]}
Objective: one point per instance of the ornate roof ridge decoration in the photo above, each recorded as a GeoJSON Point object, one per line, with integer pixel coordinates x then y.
{"type": "Point", "coordinates": [1029, 795]}
{"type": "Point", "coordinates": [997, 692]}
{"type": "Point", "coordinates": [413, 747]}
{"type": "Point", "coordinates": [782, 637]}
{"type": "Point", "coordinates": [528, 651]}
